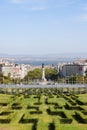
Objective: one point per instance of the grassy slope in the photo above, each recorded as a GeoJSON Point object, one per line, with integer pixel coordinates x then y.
{"type": "Point", "coordinates": [43, 119]}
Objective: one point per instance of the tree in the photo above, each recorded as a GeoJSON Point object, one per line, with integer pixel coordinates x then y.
{"type": "Point", "coordinates": [51, 74]}
{"type": "Point", "coordinates": [37, 74]}
{"type": "Point", "coordinates": [1, 78]}
{"type": "Point", "coordinates": [72, 80]}
{"type": "Point", "coordinates": [86, 72]}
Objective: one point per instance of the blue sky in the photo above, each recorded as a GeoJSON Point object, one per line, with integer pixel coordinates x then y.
{"type": "Point", "coordinates": [43, 26]}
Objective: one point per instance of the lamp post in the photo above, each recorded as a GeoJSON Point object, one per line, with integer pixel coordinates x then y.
{"type": "Point", "coordinates": [76, 78]}
{"type": "Point", "coordinates": [83, 79]}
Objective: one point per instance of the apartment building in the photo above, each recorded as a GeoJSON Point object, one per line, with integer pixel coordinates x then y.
{"type": "Point", "coordinates": [6, 69]}
{"type": "Point", "coordinates": [73, 69]}
{"type": "Point", "coordinates": [14, 70]}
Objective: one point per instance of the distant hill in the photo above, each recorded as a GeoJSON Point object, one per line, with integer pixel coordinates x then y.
{"type": "Point", "coordinates": [60, 57]}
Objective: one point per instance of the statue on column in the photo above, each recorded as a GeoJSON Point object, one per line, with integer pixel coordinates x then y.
{"type": "Point", "coordinates": [43, 73]}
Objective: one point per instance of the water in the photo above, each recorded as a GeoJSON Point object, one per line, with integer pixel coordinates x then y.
{"type": "Point", "coordinates": [46, 62]}
{"type": "Point", "coordinates": [37, 63]}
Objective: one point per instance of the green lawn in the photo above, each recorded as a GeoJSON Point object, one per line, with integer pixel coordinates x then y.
{"type": "Point", "coordinates": [29, 111]}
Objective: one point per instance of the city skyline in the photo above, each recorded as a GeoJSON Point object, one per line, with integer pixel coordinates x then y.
{"type": "Point", "coordinates": [43, 26]}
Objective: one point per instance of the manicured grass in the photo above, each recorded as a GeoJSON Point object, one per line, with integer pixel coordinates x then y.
{"type": "Point", "coordinates": [31, 112]}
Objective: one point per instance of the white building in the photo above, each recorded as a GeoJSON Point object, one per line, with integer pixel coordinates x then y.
{"type": "Point", "coordinates": [73, 69]}
{"type": "Point", "coordinates": [6, 69]}
{"type": "Point", "coordinates": [20, 71]}
{"type": "Point", "coordinates": [14, 70]}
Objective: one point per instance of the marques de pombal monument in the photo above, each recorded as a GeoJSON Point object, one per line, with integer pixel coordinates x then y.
{"type": "Point", "coordinates": [43, 79]}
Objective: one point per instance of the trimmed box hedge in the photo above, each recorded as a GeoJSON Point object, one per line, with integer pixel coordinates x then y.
{"type": "Point", "coordinates": [81, 117]}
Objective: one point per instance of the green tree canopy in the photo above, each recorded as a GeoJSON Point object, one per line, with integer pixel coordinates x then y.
{"type": "Point", "coordinates": [51, 74]}
{"type": "Point", "coordinates": [37, 74]}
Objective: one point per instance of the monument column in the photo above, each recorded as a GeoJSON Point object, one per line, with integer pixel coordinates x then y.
{"type": "Point", "coordinates": [43, 73]}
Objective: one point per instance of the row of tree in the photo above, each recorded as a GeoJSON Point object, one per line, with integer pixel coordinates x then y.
{"type": "Point", "coordinates": [36, 74]}
{"type": "Point", "coordinates": [50, 74]}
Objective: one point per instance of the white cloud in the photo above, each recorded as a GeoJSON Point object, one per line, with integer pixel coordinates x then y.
{"type": "Point", "coordinates": [65, 3]}
{"type": "Point", "coordinates": [28, 1]}
{"type": "Point", "coordinates": [83, 15]}
{"type": "Point", "coordinates": [34, 8]}
{"type": "Point", "coordinates": [31, 5]}
{"type": "Point", "coordinates": [83, 18]}
{"type": "Point", "coordinates": [36, 5]}
{"type": "Point", "coordinates": [17, 1]}
{"type": "Point", "coordinates": [37, 8]}
{"type": "Point", "coordinates": [84, 7]}
{"type": "Point", "coordinates": [54, 2]}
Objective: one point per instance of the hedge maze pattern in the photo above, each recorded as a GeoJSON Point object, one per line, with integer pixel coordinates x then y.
{"type": "Point", "coordinates": [39, 107]}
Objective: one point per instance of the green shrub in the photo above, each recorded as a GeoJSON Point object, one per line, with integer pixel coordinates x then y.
{"type": "Point", "coordinates": [65, 121]}
{"type": "Point", "coordinates": [2, 121]}
{"type": "Point", "coordinates": [81, 117]}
